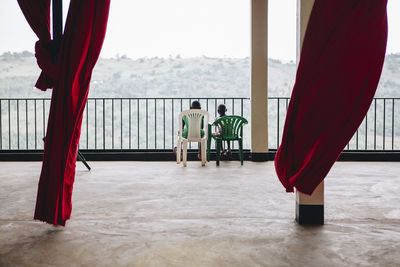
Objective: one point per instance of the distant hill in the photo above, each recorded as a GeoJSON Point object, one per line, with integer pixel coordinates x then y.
{"type": "Point", "coordinates": [172, 77]}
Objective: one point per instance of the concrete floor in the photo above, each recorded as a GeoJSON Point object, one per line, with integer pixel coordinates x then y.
{"type": "Point", "coordinates": [161, 214]}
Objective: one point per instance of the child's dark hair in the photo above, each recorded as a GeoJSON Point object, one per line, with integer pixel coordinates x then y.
{"type": "Point", "coordinates": [221, 110]}
{"type": "Point", "coordinates": [195, 105]}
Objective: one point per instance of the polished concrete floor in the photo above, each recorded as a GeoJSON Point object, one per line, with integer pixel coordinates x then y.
{"type": "Point", "coordinates": [161, 214]}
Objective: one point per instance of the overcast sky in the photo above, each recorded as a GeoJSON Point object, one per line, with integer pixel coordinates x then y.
{"type": "Point", "coordinates": [215, 28]}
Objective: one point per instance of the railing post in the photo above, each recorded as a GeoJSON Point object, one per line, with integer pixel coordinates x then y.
{"type": "Point", "coordinates": [309, 209]}
{"type": "Point", "coordinates": [1, 129]}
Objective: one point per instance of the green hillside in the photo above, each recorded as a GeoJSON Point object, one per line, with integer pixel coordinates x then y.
{"type": "Point", "coordinates": [172, 77]}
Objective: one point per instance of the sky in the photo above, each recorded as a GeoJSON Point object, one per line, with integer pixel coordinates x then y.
{"type": "Point", "coordinates": [214, 28]}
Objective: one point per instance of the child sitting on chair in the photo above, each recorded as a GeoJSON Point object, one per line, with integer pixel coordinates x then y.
{"type": "Point", "coordinates": [222, 113]}
{"type": "Point", "coordinates": [195, 105]}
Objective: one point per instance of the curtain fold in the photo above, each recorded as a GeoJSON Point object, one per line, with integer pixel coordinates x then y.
{"type": "Point", "coordinates": [338, 73]}
{"type": "Point", "coordinates": [80, 48]}
{"type": "Point", "coordinates": [37, 13]}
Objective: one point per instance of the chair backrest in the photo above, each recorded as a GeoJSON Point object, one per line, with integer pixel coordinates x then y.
{"type": "Point", "coordinates": [231, 127]}
{"type": "Point", "coordinates": [196, 121]}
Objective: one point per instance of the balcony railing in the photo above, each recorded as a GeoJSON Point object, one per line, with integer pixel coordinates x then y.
{"type": "Point", "coordinates": [151, 123]}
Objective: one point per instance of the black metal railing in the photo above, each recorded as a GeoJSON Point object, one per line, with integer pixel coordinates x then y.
{"type": "Point", "coordinates": [380, 129]}
{"type": "Point", "coordinates": [109, 123]}
{"type": "Point", "coordinates": [151, 123]}
{"type": "Point", "coordinates": [143, 123]}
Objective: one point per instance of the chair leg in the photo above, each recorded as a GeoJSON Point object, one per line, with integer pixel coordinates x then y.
{"type": "Point", "coordinates": [79, 156]}
{"type": "Point", "coordinates": [82, 158]}
{"type": "Point", "coordinates": [184, 153]}
{"type": "Point", "coordinates": [218, 150]}
{"type": "Point", "coordinates": [208, 148]}
{"type": "Point", "coordinates": [203, 152]}
{"type": "Point", "coordinates": [241, 151]}
{"type": "Point", "coordinates": [178, 151]}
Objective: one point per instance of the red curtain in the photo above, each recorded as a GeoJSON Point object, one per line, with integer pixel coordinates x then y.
{"type": "Point", "coordinates": [37, 13]}
{"type": "Point", "coordinates": [80, 48]}
{"type": "Point", "coordinates": [338, 73]}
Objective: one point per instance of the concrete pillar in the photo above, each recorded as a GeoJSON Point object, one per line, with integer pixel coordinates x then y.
{"type": "Point", "coordinates": [309, 209]}
{"type": "Point", "coordinates": [259, 74]}
{"type": "Point", "coordinates": [304, 8]}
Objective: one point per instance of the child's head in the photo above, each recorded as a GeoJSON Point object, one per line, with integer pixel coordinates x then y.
{"type": "Point", "coordinates": [221, 110]}
{"type": "Point", "coordinates": [195, 105]}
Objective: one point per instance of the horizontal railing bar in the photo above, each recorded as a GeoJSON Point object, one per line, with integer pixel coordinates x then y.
{"type": "Point", "coordinates": [169, 98]}
{"type": "Point", "coordinates": [21, 99]}
{"type": "Point", "coordinates": [140, 98]}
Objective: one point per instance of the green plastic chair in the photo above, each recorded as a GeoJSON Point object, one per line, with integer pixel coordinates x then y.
{"type": "Point", "coordinates": [230, 129]}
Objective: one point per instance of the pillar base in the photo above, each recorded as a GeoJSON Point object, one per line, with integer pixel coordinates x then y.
{"type": "Point", "coordinates": [309, 214]}
{"type": "Point", "coordinates": [259, 157]}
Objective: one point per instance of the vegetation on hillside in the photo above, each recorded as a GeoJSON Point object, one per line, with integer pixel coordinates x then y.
{"type": "Point", "coordinates": [172, 77]}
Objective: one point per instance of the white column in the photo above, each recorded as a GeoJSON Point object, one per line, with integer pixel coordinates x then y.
{"type": "Point", "coordinates": [259, 75]}
{"type": "Point", "coordinates": [309, 209]}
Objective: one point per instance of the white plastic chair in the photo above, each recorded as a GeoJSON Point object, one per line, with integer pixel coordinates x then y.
{"type": "Point", "coordinates": [195, 119]}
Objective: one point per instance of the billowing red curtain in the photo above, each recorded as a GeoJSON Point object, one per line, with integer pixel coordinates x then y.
{"type": "Point", "coordinates": [338, 73]}
{"type": "Point", "coordinates": [37, 13]}
{"type": "Point", "coordinates": [80, 48]}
